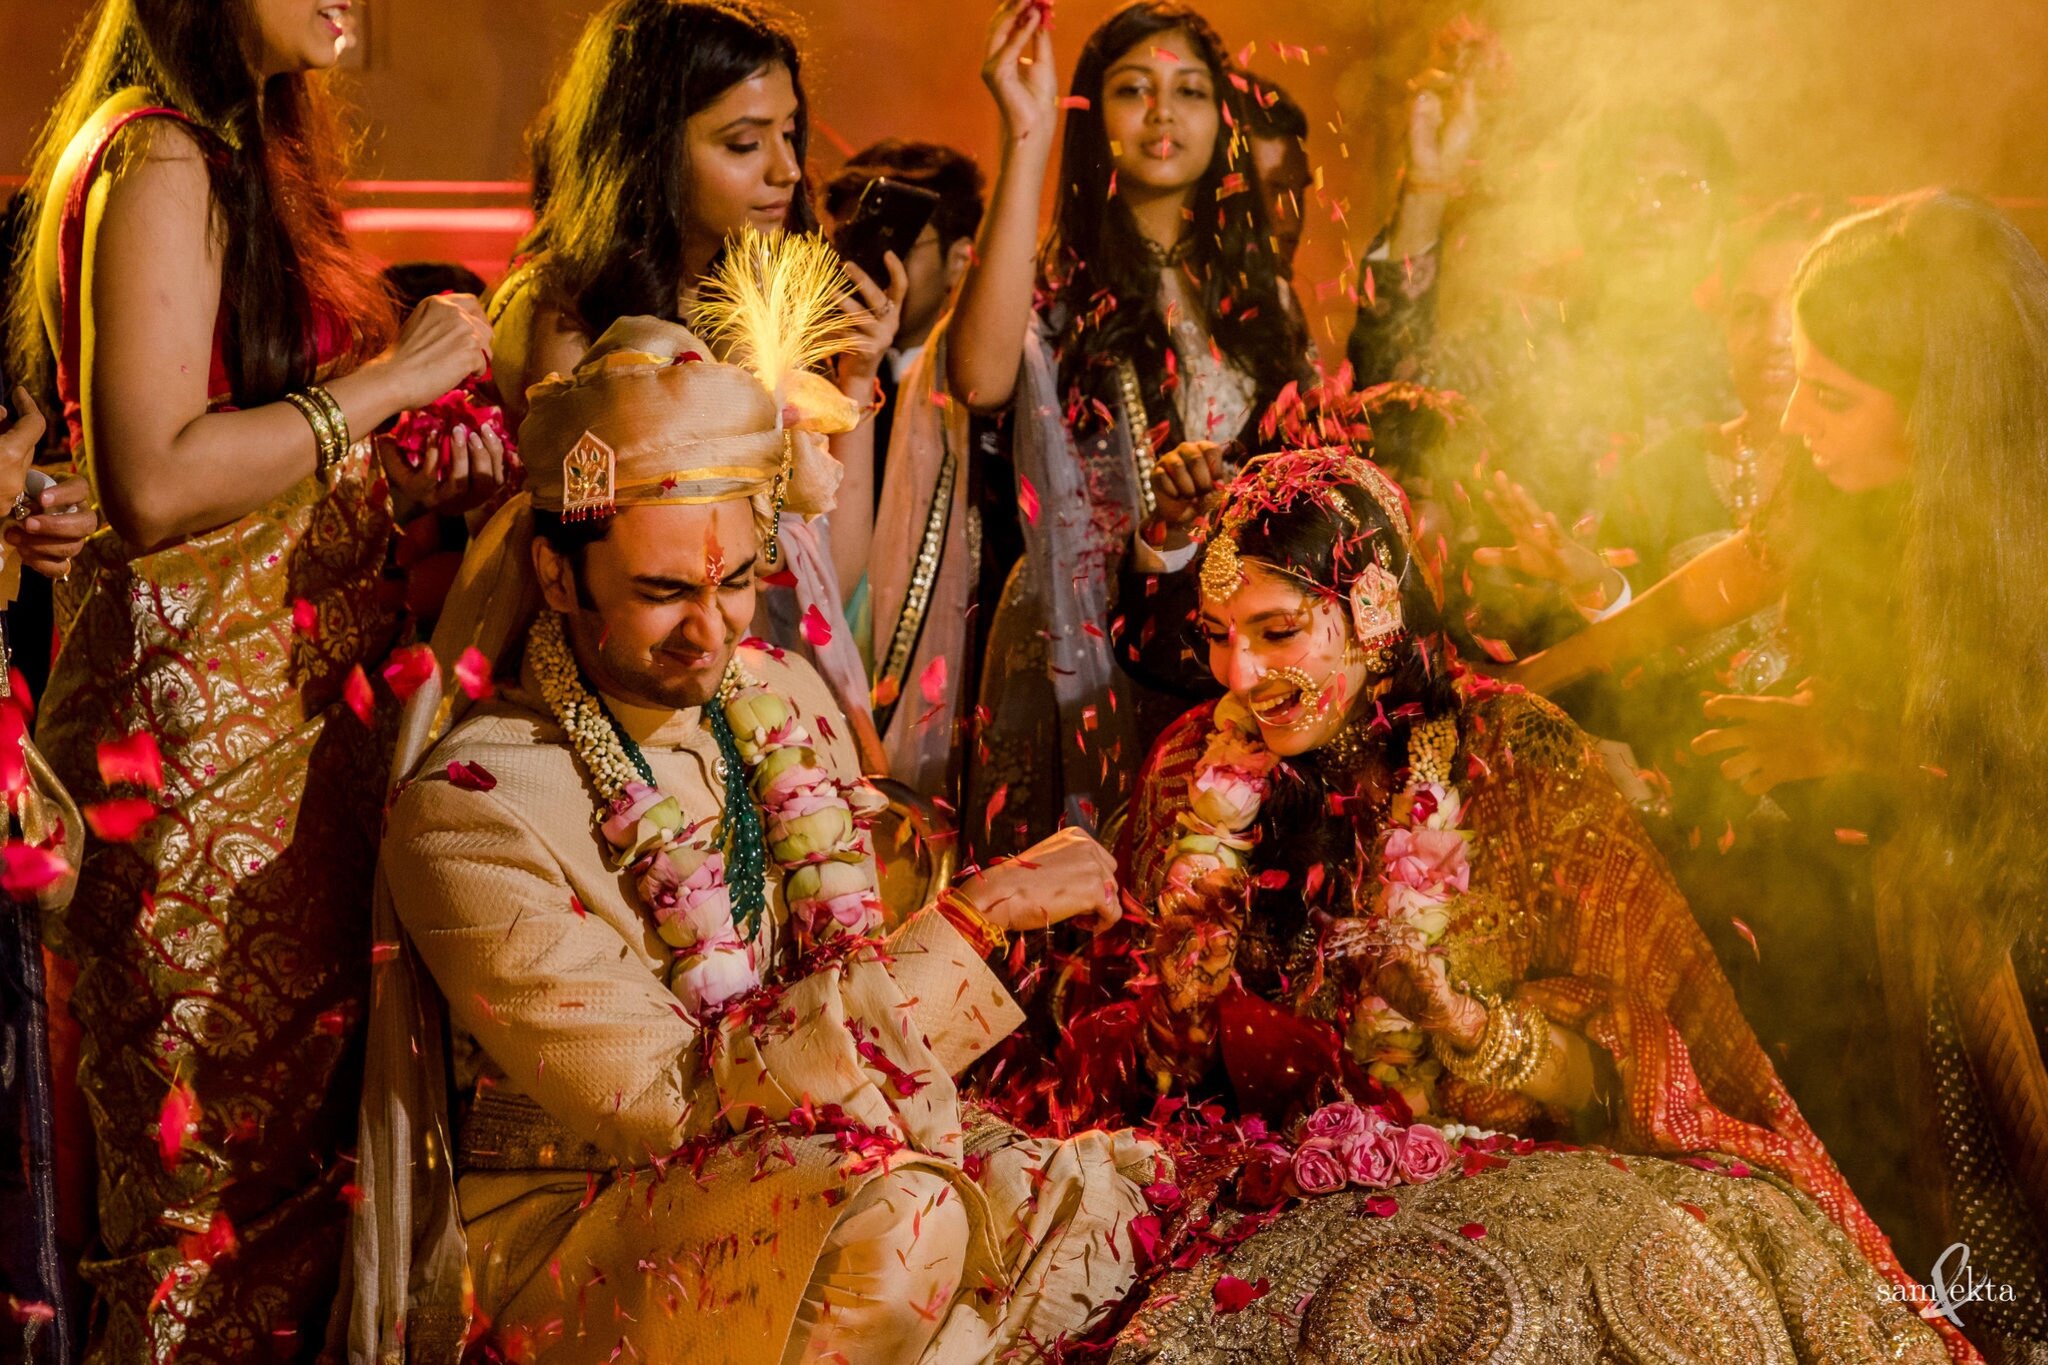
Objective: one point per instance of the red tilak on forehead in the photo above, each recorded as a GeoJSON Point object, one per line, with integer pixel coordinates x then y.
{"type": "Point", "coordinates": [714, 557]}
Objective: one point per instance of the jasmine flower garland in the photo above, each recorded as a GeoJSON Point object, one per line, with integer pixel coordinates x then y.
{"type": "Point", "coordinates": [781, 803]}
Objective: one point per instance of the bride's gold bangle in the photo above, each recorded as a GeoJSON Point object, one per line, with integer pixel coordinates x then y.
{"type": "Point", "coordinates": [1511, 1052]}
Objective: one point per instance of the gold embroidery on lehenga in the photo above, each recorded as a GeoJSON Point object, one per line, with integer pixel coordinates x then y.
{"type": "Point", "coordinates": [1675, 1296]}
{"type": "Point", "coordinates": [1424, 1296]}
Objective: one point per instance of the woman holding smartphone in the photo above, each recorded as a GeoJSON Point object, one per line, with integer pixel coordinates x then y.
{"type": "Point", "coordinates": [679, 124]}
{"type": "Point", "coordinates": [219, 350]}
{"type": "Point", "coordinates": [1149, 334]}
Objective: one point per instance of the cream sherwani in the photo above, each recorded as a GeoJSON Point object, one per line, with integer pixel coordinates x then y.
{"type": "Point", "coordinates": [619, 1191]}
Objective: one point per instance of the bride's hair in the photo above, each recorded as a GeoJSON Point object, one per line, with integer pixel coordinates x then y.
{"type": "Point", "coordinates": [1307, 820]}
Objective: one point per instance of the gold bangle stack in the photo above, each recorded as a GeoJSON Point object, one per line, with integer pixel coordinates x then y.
{"type": "Point", "coordinates": [329, 423]}
{"type": "Point", "coordinates": [1514, 1048]}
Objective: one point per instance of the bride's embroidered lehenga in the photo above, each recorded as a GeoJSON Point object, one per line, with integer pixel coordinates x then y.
{"type": "Point", "coordinates": [1747, 1247]}
{"type": "Point", "coordinates": [1455, 848]}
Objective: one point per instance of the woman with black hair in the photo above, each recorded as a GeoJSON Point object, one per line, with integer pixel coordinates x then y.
{"type": "Point", "coordinates": [1159, 330]}
{"type": "Point", "coordinates": [1402, 917]}
{"type": "Point", "coordinates": [679, 124]}
{"type": "Point", "coordinates": [1910, 577]}
{"type": "Point", "coordinates": [219, 351]}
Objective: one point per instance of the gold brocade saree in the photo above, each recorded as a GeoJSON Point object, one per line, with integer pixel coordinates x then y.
{"type": "Point", "coordinates": [227, 948]}
{"type": "Point", "coordinates": [223, 953]}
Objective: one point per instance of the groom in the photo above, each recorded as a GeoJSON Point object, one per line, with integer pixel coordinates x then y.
{"type": "Point", "coordinates": [710, 1103]}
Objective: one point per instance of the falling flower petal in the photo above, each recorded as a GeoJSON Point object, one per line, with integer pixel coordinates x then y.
{"type": "Point", "coordinates": [13, 758]}
{"type": "Point", "coordinates": [932, 682]}
{"type": "Point", "coordinates": [204, 1248]}
{"type": "Point", "coordinates": [356, 692]}
{"type": "Point", "coordinates": [473, 673]}
{"type": "Point", "coordinates": [176, 1121]}
{"type": "Point", "coordinates": [409, 670]}
{"type": "Point", "coordinates": [815, 630]}
{"type": "Point", "coordinates": [306, 618]}
{"type": "Point", "coordinates": [1475, 1231]}
{"type": "Point", "coordinates": [135, 760]}
{"type": "Point", "coordinates": [29, 869]}
{"type": "Point", "coordinates": [1027, 498]}
{"type": "Point", "coordinates": [1748, 936]}
{"type": "Point", "coordinates": [118, 822]}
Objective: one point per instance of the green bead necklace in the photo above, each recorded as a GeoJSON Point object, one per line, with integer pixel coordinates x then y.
{"type": "Point", "coordinates": [746, 842]}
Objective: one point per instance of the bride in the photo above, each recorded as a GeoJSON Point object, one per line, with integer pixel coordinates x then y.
{"type": "Point", "coordinates": [1374, 878]}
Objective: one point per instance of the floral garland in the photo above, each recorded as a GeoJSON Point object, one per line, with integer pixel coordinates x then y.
{"type": "Point", "coordinates": [814, 829]}
{"type": "Point", "coordinates": [1424, 865]}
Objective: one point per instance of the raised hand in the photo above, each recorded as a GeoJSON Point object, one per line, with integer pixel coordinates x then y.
{"type": "Point", "coordinates": [473, 473]}
{"type": "Point", "coordinates": [1541, 547]}
{"type": "Point", "coordinates": [876, 313]}
{"type": "Point", "coordinates": [1184, 480]}
{"type": "Point", "coordinates": [1443, 124]}
{"type": "Point", "coordinates": [1018, 71]}
{"type": "Point", "coordinates": [1772, 740]}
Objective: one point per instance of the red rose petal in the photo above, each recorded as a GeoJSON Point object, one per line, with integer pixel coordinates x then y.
{"type": "Point", "coordinates": [176, 1120]}
{"type": "Point", "coordinates": [13, 758]}
{"type": "Point", "coordinates": [781, 578]}
{"type": "Point", "coordinates": [473, 673]}
{"type": "Point", "coordinates": [29, 869]}
{"type": "Point", "coordinates": [932, 682]}
{"type": "Point", "coordinates": [356, 692]}
{"type": "Point", "coordinates": [135, 760]}
{"type": "Point", "coordinates": [471, 777]}
{"type": "Point", "coordinates": [1027, 498]}
{"type": "Point", "coordinates": [1234, 1295]}
{"type": "Point", "coordinates": [410, 669]}
{"type": "Point", "coordinates": [118, 822]}
{"type": "Point", "coordinates": [204, 1248]}
{"type": "Point", "coordinates": [306, 618]}
{"type": "Point", "coordinates": [1473, 1230]}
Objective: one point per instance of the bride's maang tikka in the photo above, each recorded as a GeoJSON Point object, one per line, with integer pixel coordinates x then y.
{"type": "Point", "coordinates": [1272, 482]}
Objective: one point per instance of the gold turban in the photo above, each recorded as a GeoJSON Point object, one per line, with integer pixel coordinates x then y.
{"type": "Point", "coordinates": [650, 416]}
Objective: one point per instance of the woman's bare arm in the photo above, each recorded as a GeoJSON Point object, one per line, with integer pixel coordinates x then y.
{"type": "Point", "coordinates": [1728, 583]}
{"type": "Point", "coordinates": [994, 310]}
{"type": "Point", "coordinates": [165, 466]}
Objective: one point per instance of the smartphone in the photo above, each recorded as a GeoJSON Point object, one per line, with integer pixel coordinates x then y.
{"type": "Point", "coordinates": [888, 216]}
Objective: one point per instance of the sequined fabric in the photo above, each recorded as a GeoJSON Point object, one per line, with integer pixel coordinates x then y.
{"type": "Point", "coordinates": [1564, 1258]}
